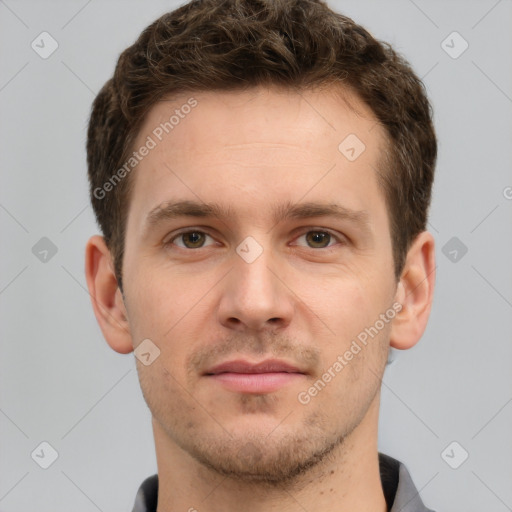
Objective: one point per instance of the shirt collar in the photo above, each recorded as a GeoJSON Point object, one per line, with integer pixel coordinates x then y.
{"type": "Point", "coordinates": [399, 490]}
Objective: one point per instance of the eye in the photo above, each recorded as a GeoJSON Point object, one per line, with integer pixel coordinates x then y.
{"type": "Point", "coordinates": [319, 239]}
{"type": "Point", "coordinates": [193, 239]}
{"type": "Point", "coordinates": [196, 239]}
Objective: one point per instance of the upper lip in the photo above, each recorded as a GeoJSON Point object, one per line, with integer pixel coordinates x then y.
{"type": "Point", "coordinates": [241, 366]}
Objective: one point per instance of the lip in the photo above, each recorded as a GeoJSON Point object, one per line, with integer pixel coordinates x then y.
{"type": "Point", "coordinates": [242, 366]}
{"type": "Point", "coordinates": [263, 377]}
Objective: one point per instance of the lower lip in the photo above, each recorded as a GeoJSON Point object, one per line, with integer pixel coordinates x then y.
{"type": "Point", "coordinates": [255, 382]}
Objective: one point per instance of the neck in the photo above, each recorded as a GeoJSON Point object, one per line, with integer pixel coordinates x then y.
{"type": "Point", "coordinates": [347, 479]}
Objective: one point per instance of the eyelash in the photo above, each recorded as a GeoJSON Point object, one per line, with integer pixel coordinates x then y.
{"type": "Point", "coordinates": [339, 239]}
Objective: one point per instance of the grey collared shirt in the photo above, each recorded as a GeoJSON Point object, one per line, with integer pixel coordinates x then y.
{"type": "Point", "coordinates": [399, 490]}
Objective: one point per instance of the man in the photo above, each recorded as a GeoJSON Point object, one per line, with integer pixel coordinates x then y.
{"type": "Point", "coordinates": [261, 172]}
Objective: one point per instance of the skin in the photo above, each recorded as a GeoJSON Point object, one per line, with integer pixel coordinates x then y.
{"type": "Point", "coordinates": [304, 299]}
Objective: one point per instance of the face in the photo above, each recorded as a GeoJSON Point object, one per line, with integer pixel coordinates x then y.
{"type": "Point", "coordinates": [252, 238]}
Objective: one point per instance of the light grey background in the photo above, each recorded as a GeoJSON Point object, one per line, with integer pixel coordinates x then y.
{"type": "Point", "coordinates": [61, 383]}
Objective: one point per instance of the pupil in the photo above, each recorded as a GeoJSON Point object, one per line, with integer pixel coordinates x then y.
{"type": "Point", "coordinates": [194, 237]}
{"type": "Point", "coordinates": [319, 237]}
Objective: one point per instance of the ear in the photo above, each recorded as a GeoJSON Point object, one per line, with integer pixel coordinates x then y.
{"type": "Point", "coordinates": [415, 293]}
{"type": "Point", "coordinates": [107, 300]}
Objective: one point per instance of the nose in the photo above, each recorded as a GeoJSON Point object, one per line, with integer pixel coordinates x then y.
{"type": "Point", "coordinates": [256, 295]}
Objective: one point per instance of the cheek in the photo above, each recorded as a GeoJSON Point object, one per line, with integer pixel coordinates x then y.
{"type": "Point", "coordinates": [343, 301]}
{"type": "Point", "coordinates": [175, 314]}
{"type": "Point", "coordinates": [351, 311]}
{"type": "Point", "coordinates": [163, 393]}
{"type": "Point", "coordinates": [160, 301]}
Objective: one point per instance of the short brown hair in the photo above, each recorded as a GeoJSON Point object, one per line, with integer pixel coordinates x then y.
{"type": "Point", "coordinates": [237, 44]}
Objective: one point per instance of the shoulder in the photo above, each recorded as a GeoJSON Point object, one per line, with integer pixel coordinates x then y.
{"type": "Point", "coordinates": [147, 495]}
{"type": "Point", "coordinates": [399, 489]}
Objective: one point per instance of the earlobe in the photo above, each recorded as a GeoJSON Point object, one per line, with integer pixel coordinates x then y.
{"type": "Point", "coordinates": [415, 293]}
{"type": "Point", "coordinates": [107, 300]}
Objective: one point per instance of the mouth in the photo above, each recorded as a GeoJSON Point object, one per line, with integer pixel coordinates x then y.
{"type": "Point", "coordinates": [257, 378]}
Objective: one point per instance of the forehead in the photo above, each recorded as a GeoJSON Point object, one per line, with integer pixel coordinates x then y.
{"type": "Point", "coordinates": [257, 115]}
{"type": "Point", "coordinates": [261, 142]}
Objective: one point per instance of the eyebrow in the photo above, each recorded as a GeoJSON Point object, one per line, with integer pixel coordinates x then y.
{"type": "Point", "coordinates": [187, 208]}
